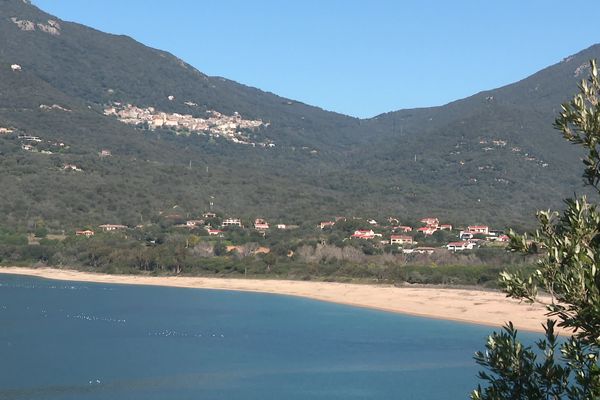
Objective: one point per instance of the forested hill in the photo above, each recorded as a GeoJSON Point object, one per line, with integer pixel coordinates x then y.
{"type": "Point", "coordinates": [490, 158]}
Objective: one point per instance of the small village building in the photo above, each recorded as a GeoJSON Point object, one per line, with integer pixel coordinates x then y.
{"type": "Point", "coordinates": [427, 230]}
{"type": "Point", "coordinates": [16, 68]}
{"type": "Point", "coordinates": [232, 222]}
{"type": "Point", "coordinates": [193, 223]}
{"type": "Point", "coordinates": [210, 215]}
{"type": "Point", "coordinates": [214, 232]}
{"type": "Point", "coordinates": [105, 153]}
{"type": "Point", "coordinates": [372, 222]}
{"type": "Point", "coordinates": [111, 227]}
{"type": "Point", "coordinates": [71, 167]}
{"type": "Point", "coordinates": [281, 226]}
{"type": "Point", "coordinates": [460, 246]}
{"type": "Point", "coordinates": [327, 224]}
{"type": "Point", "coordinates": [479, 229]}
{"type": "Point", "coordinates": [403, 228]}
{"type": "Point", "coordinates": [401, 239]}
{"type": "Point", "coordinates": [465, 235]}
{"type": "Point", "coordinates": [430, 221]}
{"type": "Point", "coordinates": [86, 233]}
{"type": "Point", "coordinates": [503, 238]}
{"type": "Point", "coordinates": [363, 234]}
{"type": "Point", "coordinates": [445, 227]}
{"type": "Point", "coordinates": [260, 224]}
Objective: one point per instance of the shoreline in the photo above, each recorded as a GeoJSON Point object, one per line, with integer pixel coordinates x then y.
{"type": "Point", "coordinates": [471, 306]}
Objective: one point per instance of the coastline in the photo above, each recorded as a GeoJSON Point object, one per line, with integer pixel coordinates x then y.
{"type": "Point", "coordinates": [472, 306]}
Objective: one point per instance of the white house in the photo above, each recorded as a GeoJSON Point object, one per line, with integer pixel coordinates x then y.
{"type": "Point", "coordinates": [481, 229]}
{"type": "Point", "coordinates": [111, 227]}
{"type": "Point", "coordinates": [465, 235]}
{"type": "Point", "coordinates": [232, 222]}
{"type": "Point", "coordinates": [401, 239]}
{"type": "Point", "coordinates": [261, 225]}
{"type": "Point", "coordinates": [460, 246]}
{"type": "Point", "coordinates": [363, 234]}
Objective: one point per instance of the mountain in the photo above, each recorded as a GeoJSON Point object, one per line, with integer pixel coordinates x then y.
{"type": "Point", "coordinates": [492, 157]}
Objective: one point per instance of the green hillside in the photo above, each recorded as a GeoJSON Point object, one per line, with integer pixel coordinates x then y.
{"type": "Point", "coordinates": [488, 158]}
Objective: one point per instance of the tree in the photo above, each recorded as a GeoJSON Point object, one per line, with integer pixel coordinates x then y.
{"type": "Point", "coordinates": [568, 270]}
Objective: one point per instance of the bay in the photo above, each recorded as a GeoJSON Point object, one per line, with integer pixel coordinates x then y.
{"type": "Point", "coordinates": [68, 340]}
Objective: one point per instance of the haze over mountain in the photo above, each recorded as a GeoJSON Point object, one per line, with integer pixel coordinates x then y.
{"type": "Point", "coordinates": [492, 157]}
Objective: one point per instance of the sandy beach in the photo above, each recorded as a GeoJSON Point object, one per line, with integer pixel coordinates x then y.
{"type": "Point", "coordinates": [464, 305]}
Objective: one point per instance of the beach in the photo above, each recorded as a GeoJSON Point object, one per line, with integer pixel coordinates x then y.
{"type": "Point", "coordinates": [474, 306]}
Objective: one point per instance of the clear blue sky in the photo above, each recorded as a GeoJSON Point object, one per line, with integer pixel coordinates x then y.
{"type": "Point", "coordinates": [360, 58]}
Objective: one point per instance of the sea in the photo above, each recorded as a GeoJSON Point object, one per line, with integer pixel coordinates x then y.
{"type": "Point", "coordinates": [69, 340]}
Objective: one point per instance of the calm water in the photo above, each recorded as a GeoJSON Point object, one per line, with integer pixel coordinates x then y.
{"type": "Point", "coordinates": [67, 340]}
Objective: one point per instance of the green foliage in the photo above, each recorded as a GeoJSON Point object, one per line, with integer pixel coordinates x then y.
{"type": "Point", "coordinates": [568, 271]}
{"type": "Point", "coordinates": [514, 370]}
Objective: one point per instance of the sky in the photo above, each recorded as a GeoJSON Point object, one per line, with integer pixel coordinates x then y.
{"type": "Point", "coordinates": [360, 58]}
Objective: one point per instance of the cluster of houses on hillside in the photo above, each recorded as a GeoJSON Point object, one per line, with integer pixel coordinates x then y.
{"type": "Point", "coordinates": [392, 233]}
{"type": "Point", "coordinates": [216, 124]}
{"type": "Point", "coordinates": [401, 234]}
{"type": "Point", "coordinates": [260, 225]}
{"type": "Point", "coordinates": [36, 144]}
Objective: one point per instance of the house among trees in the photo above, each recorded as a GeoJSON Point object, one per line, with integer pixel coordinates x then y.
{"type": "Point", "coordinates": [231, 222]}
{"type": "Point", "coordinates": [445, 227]}
{"type": "Point", "coordinates": [465, 235]}
{"type": "Point", "coordinates": [327, 224]}
{"type": "Point", "coordinates": [501, 238]}
{"type": "Point", "coordinates": [111, 227]}
{"type": "Point", "coordinates": [363, 234]}
{"type": "Point", "coordinates": [401, 239]}
{"type": "Point", "coordinates": [427, 230]}
{"type": "Point", "coordinates": [71, 167]}
{"type": "Point", "coordinates": [86, 233]}
{"type": "Point", "coordinates": [430, 221]}
{"type": "Point", "coordinates": [403, 228]}
{"type": "Point", "coordinates": [194, 223]}
{"type": "Point", "coordinates": [214, 232]}
{"type": "Point", "coordinates": [460, 246]}
{"type": "Point", "coordinates": [479, 229]}
{"type": "Point", "coordinates": [210, 215]}
{"type": "Point", "coordinates": [260, 224]}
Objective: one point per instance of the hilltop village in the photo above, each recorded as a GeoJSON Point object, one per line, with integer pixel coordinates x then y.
{"type": "Point", "coordinates": [233, 128]}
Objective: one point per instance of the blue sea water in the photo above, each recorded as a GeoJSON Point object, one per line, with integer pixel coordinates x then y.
{"type": "Point", "coordinates": [70, 340]}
